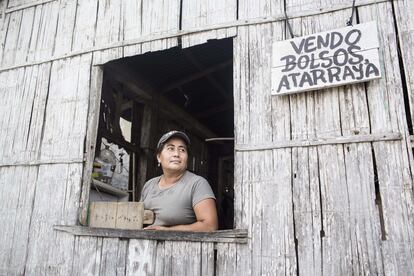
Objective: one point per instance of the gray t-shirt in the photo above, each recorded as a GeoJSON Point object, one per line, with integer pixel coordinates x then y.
{"type": "Point", "coordinates": [174, 205]}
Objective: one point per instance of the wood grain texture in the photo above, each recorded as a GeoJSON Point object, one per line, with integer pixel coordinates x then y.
{"type": "Point", "coordinates": [141, 257]}
{"type": "Point", "coordinates": [17, 186]}
{"type": "Point", "coordinates": [262, 8]}
{"type": "Point", "coordinates": [109, 29]}
{"type": "Point", "coordinates": [403, 11]}
{"type": "Point", "coordinates": [66, 111]}
{"type": "Point", "coordinates": [65, 27]}
{"type": "Point", "coordinates": [159, 17]}
{"type": "Point", "coordinates": [56, 200]}
{"type": "Point", "coordinates": [235, 236]}
{"type": "Point", "coordinates": [198, 13]}
{"type": "Point", "coordinates": [22, 113]}
{"type": "Point", "coordinates": [85, 25]}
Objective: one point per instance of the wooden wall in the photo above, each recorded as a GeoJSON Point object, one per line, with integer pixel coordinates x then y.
{"type": "Point", "coordinates": [333, 209]}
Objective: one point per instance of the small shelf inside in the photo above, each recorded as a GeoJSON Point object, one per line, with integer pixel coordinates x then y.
{"type": "Point", "coordinates": [106, 188]}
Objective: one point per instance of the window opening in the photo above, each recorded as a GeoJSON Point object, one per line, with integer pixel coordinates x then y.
{"type": "Point", "coordinates": [146, 95]}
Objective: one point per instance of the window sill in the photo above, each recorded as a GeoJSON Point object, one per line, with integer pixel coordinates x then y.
{"type": "Point", "coordinates": [223, 236]}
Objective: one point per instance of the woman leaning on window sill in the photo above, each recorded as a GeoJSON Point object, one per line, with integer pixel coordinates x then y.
{"type": "Point", "coordinates": [180, 200]}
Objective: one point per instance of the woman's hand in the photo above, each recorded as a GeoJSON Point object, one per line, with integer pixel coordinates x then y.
{"type": "Point", "coordinates": [156, 227]}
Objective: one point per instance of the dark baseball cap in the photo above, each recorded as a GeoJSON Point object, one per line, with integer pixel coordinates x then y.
{"type": "Point", "coordinates": [171, 134]}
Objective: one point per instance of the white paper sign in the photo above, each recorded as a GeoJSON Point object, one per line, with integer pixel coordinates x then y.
{"type": "Point", "coordinates": [333, 58]}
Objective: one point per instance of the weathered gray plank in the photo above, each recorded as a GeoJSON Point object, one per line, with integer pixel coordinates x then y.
{"type": "Point", "coordinates": [87, 256]}
{"type": "Point", "coordinates": [122, 257]}
{"type": "Point", "coordinates": [186, 258]}
{"type": "Point", "coordinates": [226, 259]}
{"type": "Point", "coordinates": [260, 8]}
{"type": "Point", "coordinates": [207, 258]}
{"type": "Point", "coordinates": [11, 38]}
{"type": "Point", "coordinates": [141, 257]}
{"type": "Point", "coordinates": [90, 143]}
{"type": "Point", "coordinates": [203, 13]}
{"type": "Point", "coordinates": [132, 16]}
{"type": "Point", "coordinates": [305, 5]}
{"type": "Point", "coordinates": [159, 16]}
{"type": "Point", "coordinates": [12, 97]}
{"type": "Point", "coordinates": [393, 164]}
{"type": "Point", "coordinates": [17, 190]}
{"type": "Point", "coordinates": [395, 187]}
{"type": "Point", "coordinates": [25, 32]}
{"type": "Point", "coordinates": [109, 29]}
{"type": "Point", "coordinates": [65, 27]}
{"type": "Point", "coordinates": [260, 119]}
{"type": "Point", "coordinates": [232, 236]}
{"type": "Point", "coordinates": [364, 215]}
{"type": "Point", "coordinates": [85, 25]}
{"type": "Point", "coordinates": [405, 26]}
{"type": "Point", "coordinates": [22, 113]}
{"type": "Point", "coordinates": [66, 110]}
{"type": "Point", "coordinates": [307, 210]}
{"type": "Point", "coordinates": [335, 244]}
{"type": "Point", "coordinates": [56, 201]}
{"type": "Point", "coordinates": [47, 28]}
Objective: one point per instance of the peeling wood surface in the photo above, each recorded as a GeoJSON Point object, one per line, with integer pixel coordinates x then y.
{"type": "Point", "coordinates": [332, 209]}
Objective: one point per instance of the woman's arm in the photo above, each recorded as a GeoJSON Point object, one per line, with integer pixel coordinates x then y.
{"type": "Point", "coordinates": [206, 215]}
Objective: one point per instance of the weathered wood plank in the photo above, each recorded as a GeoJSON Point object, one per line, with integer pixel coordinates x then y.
{"type": "Point", "coordinates": [226, 259]}
{"type": "Point", "coordinates": [9, 120]}
{"type": "Point", "coordinates": [24, 5]}
{"type": "Point", "coordinates": [65, 27]}
{"type": "Point", "coordinates": [260, 119]}
{"type": "Point", "coordinates": [395, 188]}
{"type": "Point", "coordinates": [17, 190]}
{"type": "Point", "coordinates": [204, 13]}
{"type": "Point", "coordinates": [364, 215]}
{"type": "Point", "coordinates": [87, 256]}
{"type": "Point", "coordinates": [160, 17]}
{"type": "Point", "coordinates": [403, 11]}
{"type": "Point", "coordinates": [321, 141]}
{"type": "Point", "coordinates": [47, 28]}
{"type": "Point", "coordinates": [109, 257]}
{"type": "Point", "coordinates": [85, 25]}
{"type": "Point", "coordinates": [90, 144]}
{"type": "Point", "coordinates": [23, 42]}
{"type": "Point", "coordinates": [262, 8]}
{"type": "Point", "coordinates": [132, 16]}
{"type": "Point", "coordinates": [236, 235]}
{"type": "Point", "coordinates": [56, 201]}
{"type": "Point", "coordinates": [22, 113]}
{"type": "Point", "coordinates": [66, 110]}
{"type": "Point", "coordinates": [109, 29]}
{"type": "Point", "coordinates": [207, 259]}
{"type": "Point", "coordinates": [11, 39]}
{"type": "Point", "coordinates": [186, 258]}
{"type": "Point", "coordinates": [307, 210]}
{"type": "Point", "coordinates": [393, 162]}
{"type": "Point", "coordinates": [141, 257]}
{"type": "Point", "coordinates": [335, 244]}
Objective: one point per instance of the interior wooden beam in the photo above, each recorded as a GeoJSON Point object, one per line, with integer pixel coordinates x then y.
{"type": "Point", "coordinates": [211, 79]}
{"type": "Point", "coordinates": [214, 110]}
{"type": "Point", "coordinates": [203, 73]}
{"type": "Point", "coordinates": [123, 73]}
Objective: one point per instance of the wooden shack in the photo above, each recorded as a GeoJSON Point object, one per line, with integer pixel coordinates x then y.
{"type": "Point", "coordinates": [311, 183]}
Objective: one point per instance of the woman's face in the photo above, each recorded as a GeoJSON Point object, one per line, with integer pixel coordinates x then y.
{"type": "Point", "coordinates": [174, 155]}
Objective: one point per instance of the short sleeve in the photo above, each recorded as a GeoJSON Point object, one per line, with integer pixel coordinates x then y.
{"type": "Point", "coordinates": [201, 191]}
{"type": "Point", "coordinates": [144, 193]}
{"type": "Point", "coordinates": [147, 188]}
